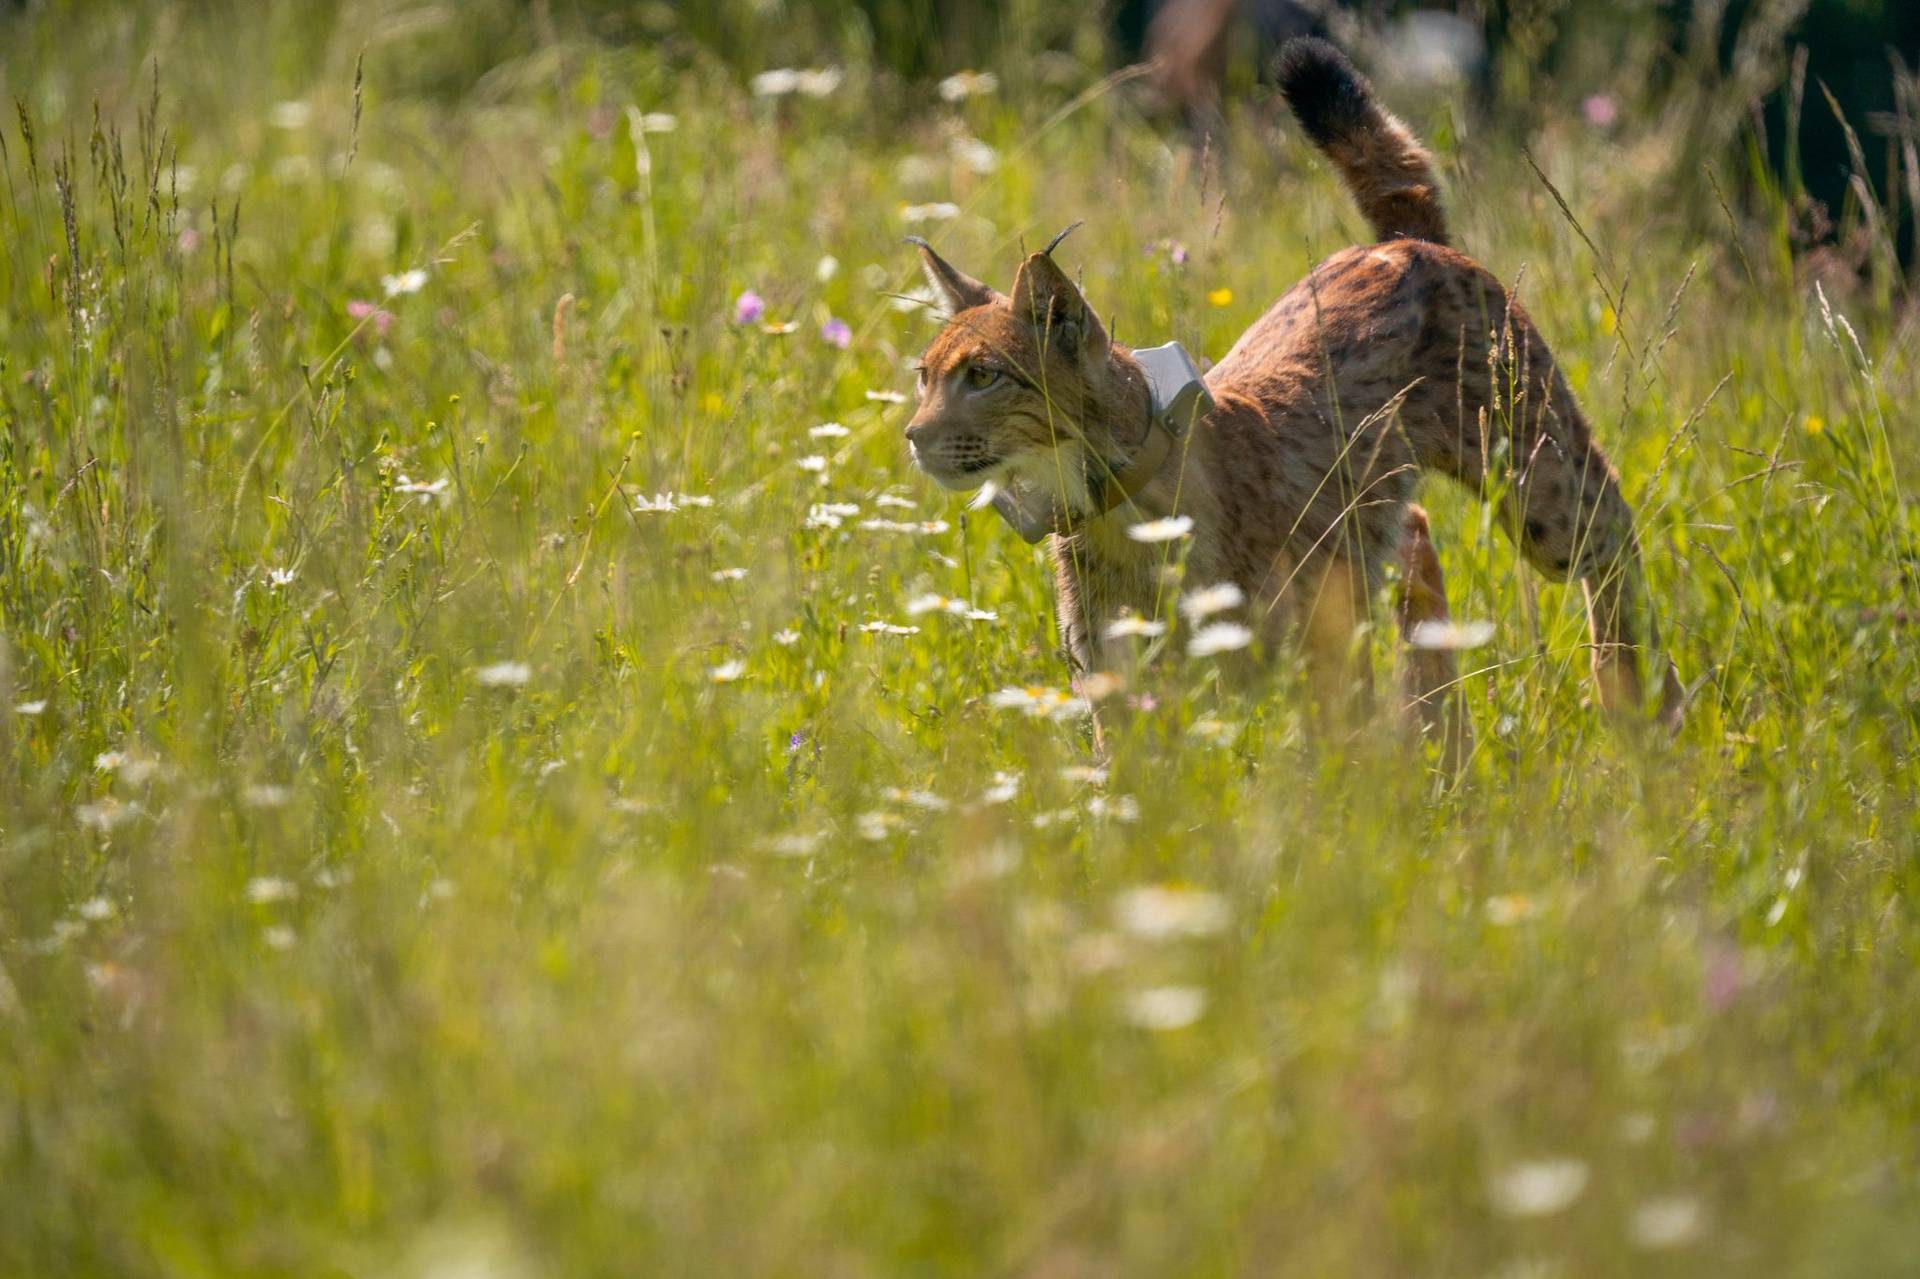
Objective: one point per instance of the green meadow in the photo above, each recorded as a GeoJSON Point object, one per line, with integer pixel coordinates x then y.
{"type": "Point", "coordinates": [500, 765]}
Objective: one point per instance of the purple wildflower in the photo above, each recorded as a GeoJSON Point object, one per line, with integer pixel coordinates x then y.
{"type": "Point", "coordinates": [1722, 978]}
{"type": "Point", "coordinates": [1600, 110]}
{"type": "Point", "coordinates": [836, 332]}
{"type": "Point", "coordinates": [748, 308]}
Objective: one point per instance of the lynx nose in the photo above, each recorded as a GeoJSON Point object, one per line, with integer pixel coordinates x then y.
{"type": "Point", "coordinates": [916, 431]}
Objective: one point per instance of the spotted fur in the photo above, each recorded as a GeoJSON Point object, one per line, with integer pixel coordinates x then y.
{"type": "Point", "coordinates": [1387, 362]}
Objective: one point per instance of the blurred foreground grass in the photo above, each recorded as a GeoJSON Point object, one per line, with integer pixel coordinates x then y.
{"type": "Point", "coordinates": [433, 843]}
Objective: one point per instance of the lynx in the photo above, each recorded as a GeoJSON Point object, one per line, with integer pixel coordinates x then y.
{"type": "Point", "coordinates": [1387, 361]}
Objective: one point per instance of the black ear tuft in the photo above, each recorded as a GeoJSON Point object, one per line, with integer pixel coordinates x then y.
{"type": "Point", "coordinates": [957, 290]}
{"type": "Point", "coordinates": [1054, 243]}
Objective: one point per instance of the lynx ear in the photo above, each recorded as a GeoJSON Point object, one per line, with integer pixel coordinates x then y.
{"type": "Point", "coordinates": [957, 290]}
{"type": "Point", "coordinates": [1044, 297]}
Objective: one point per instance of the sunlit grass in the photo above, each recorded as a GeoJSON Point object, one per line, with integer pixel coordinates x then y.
{"type": "Point", "coordinates": [490, 779]}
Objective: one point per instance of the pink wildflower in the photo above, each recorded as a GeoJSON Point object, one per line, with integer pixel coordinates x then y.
{"type": "Point", "coordinates": [382, 318]}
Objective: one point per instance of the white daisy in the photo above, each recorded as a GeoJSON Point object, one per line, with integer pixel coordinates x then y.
{"type": "Point", "coordinates": [931, 603]}
{"type": "Point", "coordinates": [936, 211]}
{"type": "Point", "coordinates": [830, 514]}
{"type": "Point", "coordinates": [504, 674]}
{"type": "Point", "coordinates": [974, 155]}
{"type": "Point", "coordinates": [1537, 1187]}
{"type": "Point", "coordinates": [881, 627]}
{"type": "Point", "coordinates": [1511, 908]}
{"type": "Point", "coordinates": [728, 574]}
{"type": "Point", "coordinates": [886, 397]}
{"type": "Point", "coordinates": [794, 843]}
{"type": "Point", "coordinates": [776, 83]}
{"type": "Point", "coordinates": [1160, 912]}
{"type": "Point", "coordinates": [828, 431]}
{"type": "Point", "coordinates": [1171, 528]}
{"type": "Point", "coordinates": [405, 282]}
{"type": "Point", "coordinates": [105, 814]}
{"type": "Point", "coordinates": [270, 888]}
{"type": "Point", "coordinates": [1129, 624]}
{"type": "Point", "coordinates": [819, 83]}
{"type": "Point", "coordinates": [1210, 730]}
{"type": "Point", "coordinates": [966, 84]}
{"type": "Point", "coordinates": [1672, 1221]}
{"type": "Point", "coordinates": [1005, 787]}
{"type": "Point", "coordinates": [1207, 601]}
{"type": "Point", "coordinates": [1038, 701]}
{"type": "Point", "coordinates": [1450, 635]}
{"type": "Point", "coordinates": [435, 488]}
{"type": "Point", "coordinates": [1218, 637]}
{"type": "Point", "coordinates": [1166, 1007]}
{"type": "Point", "coordinates": [266, 795]}
{"type": "Point", "coordinates": [727, 672]}
{"type": "Point", "coordinates": [787, 637]}
{"type": "Point", "coordinates": [905, 526]}
{"type": "Point", "coordinates": [877, 825]}
{"type": "Point", "coordinates": [925, 800]}
{"type": "Point", "coordinates": [134, 769]}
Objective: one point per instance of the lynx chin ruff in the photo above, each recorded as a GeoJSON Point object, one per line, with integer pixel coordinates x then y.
{"type": "Point", "coordinates": [1387, 361]}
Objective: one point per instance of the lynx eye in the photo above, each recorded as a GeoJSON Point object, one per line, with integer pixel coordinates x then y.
{"type": "Point", "coordinates": [980, 377]}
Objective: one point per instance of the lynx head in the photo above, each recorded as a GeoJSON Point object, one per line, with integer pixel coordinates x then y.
{"type": "Point", "coordinates": [1013, 381]}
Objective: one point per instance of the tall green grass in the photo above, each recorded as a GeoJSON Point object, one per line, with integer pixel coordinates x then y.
{"type": "Point", "coordinates": [389, 886]}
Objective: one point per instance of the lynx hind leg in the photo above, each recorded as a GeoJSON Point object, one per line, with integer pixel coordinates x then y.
{"type": "Point", "coordinates": [1571, 520]}
{"type": "Point", "coordinates": [1626, 638]}
{"type": "Point", "coordinates": [1432, 700]}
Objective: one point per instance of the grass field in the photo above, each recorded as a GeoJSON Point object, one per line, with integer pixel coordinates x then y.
{"type": "Point", "coordinates": [423, 854]}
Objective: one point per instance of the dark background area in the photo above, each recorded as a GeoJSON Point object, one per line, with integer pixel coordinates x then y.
{"type": "Point", "coordinates": [1539, 56]}
{"type": "Point", "coordinates": [1738, 83]}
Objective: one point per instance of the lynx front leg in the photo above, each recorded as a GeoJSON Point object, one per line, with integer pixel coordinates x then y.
{"type": "Point", "coordinates": [1624, 633]}
{"type": "Point", "coordinates": [1432, 700]}
{"type": "Point", "coordinates": [1080, 641]}
{"type": "Point", "coordinates": [1339, 670]}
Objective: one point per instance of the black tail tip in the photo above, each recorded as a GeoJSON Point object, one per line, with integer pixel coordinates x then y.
{"type": "Point", "coordinates": [1328, 94]}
